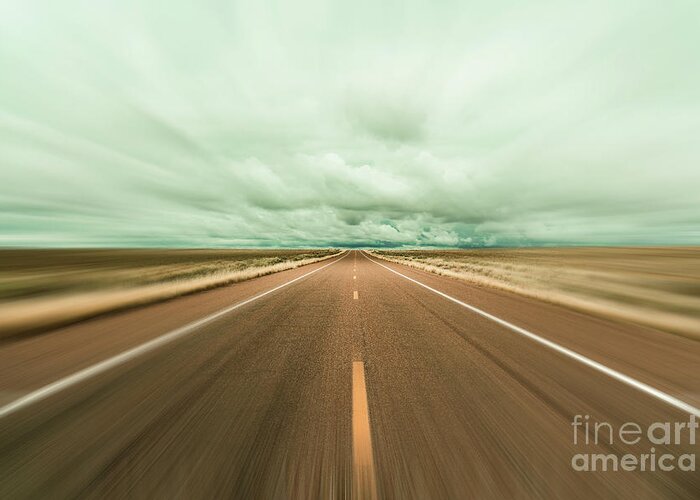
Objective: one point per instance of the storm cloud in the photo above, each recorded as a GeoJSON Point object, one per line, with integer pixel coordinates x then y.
{"type": "Point", "coordinates": [311, 123]}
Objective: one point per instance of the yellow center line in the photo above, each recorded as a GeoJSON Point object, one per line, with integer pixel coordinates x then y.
{"type": "Point", "coordinates": [354, 277]}
{"type": "Point", "coordinates": [364, 485]}
{"type": "Point", "coordinates": [354, 295]}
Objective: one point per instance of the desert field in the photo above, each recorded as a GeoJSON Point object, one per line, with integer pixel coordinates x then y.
{"type": "Point", "coordinates": [657, 287]}
{"type": "Point", "coordinates": [45, 288]}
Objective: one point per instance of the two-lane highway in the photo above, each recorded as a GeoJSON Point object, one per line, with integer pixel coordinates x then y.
{"type": "Point", "coordinates": [340, 379]}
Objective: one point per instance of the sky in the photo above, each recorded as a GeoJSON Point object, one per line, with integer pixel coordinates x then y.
{"type": "Point", "coordinates": [355, 123]}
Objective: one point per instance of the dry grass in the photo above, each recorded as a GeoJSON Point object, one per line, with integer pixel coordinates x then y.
{"type": "Point", "coordinates": [657, 287]}
{"type": "Point", "coordinates": [40, 289]}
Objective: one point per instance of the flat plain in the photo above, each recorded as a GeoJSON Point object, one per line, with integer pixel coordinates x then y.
{"type": "Point", "coordinates": [652, 286]}
{"type": "Point", "coordinates": [44, 288]}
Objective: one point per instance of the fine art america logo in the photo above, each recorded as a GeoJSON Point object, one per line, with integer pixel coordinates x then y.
{"type": "Point", "coordinates": [665, 435]}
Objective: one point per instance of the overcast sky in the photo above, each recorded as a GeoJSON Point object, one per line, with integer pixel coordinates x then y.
{"type": "Point", "coordinates": [256, 123]}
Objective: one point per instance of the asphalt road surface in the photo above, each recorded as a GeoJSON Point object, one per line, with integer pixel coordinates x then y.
{"type": "Point", "coordinates": [344, 379]}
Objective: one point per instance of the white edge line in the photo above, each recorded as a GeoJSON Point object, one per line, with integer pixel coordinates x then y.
{"type": "Point", "coordinates": [86, 373]}
{"type": "Point", "coordinates": [625, 379]}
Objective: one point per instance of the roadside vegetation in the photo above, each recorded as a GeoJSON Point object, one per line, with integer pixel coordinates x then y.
{"type": "Point", "coordinates": [657, 287]}
{"type": "Point", "coordinates": [40, 289]}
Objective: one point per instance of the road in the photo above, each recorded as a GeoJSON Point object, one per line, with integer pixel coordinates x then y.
{"type": "Point", "coordinates": [342, 379]}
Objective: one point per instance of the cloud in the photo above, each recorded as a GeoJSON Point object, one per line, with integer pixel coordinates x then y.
{"type": "Point", "coordinates": [386, 114]}
{"type": "Point", "coordinates": [447, 125]}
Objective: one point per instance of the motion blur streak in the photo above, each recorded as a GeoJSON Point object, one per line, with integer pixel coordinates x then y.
{"type": "Point", "coordinates": [660, 395]}
{"type": "Point", "coordinates": [108, 364]}
{"type": "Point", "coordinates": [260, 403]}
{"type": "Point", "coordinates": [48, 288]}
{"type": "Point", "coordinates": [321, 123]}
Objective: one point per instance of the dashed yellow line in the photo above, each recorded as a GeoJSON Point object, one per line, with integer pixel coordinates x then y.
{"type": "Point", "coordinates": [355, 295]}
{"type": "Point", "coordinates": [364, 484]}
